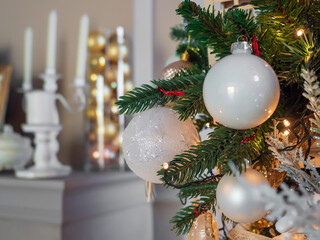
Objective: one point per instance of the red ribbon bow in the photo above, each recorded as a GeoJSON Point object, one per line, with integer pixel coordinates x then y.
{"type": "Point", "coordinates": [197, 210]}
{"type": "Point", "coordinates": [171, 92]}
{"type": "Point", "coordinates": [255, 45]}
{"type": "Point", "coordinates": [248, 138]}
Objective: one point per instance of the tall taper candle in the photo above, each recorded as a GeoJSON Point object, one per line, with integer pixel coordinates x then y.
{"type": "Point", "coordinates": [51, 40]}
{"type": "Point", "coordinates": [27, 72]}
{"type": "Point", "coordinates": [82, 49]}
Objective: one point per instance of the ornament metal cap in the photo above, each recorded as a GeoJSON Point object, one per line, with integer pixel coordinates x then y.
{"type": "Point", "coordinates": [241, 47]}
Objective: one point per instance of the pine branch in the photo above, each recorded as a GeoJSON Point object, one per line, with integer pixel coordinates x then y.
{"type": "Point", "coordinates": [223, 144]}
{"type": "Point", "coordinates": [146, 96]}
{"type": "Point", "coordinates": [195, 191]}
{"type": "Point", "coordinates": [219, 31]}
{"type": "Point", "coordinates": [184, 218]}
{"type": "Point", "coordinates": [191, 102]}
{"type": "Point", "coordinates": [179, 33]}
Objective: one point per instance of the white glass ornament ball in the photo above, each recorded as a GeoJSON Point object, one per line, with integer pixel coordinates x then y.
{"type": "Point", "coordinates": [241, 91]}
{"type": "Point", "coordinates": [155, 137]}
{"type": "Point", "coordinates": [239, 202]}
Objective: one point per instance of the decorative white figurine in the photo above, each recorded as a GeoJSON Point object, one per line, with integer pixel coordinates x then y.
{"type": "Point", "coordinates": [42, 116]}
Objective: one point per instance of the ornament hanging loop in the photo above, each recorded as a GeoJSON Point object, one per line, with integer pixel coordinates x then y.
{"type": "Point", "coordinates": [244, 37]}
{"type": "Point", "coordinates": [241, 46]}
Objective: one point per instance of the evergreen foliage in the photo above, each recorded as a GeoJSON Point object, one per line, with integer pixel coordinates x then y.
{"type": "Point", "coordinates": [275, 25]}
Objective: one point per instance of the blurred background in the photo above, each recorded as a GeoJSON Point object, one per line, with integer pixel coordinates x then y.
{"type": "Point", "coordinates": [17, 15]}
{"type": "Point", "coordinates": [96, 205]}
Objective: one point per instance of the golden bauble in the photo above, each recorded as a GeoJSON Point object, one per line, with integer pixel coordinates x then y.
{"type": "Point", "coordinates": [106, 93]}
{"type": "Point", "coordinates": [93, 76]}
{"type": "Point", "coordinates": [110, 130]}
{"type": "Point", "coordinates": [97, 62]}
{"type": "Point", "coordinates": [174, 68]}
{"type": "Point", "coordinates": [114, 50]}
{"type": "Point", "coordinates": [96, 41]}
{"type": "Point", "coordinates": [91, 113]}
{"type": "Point", "coordinates": [128, 86]}
{"type": "Point", "coordinates": [111, 74]}
{"type": "Point", "coordinates": [204, 227]}
{"type": "Point", "coordinates": [113, 39]}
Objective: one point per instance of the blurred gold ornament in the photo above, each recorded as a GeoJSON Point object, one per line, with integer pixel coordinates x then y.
{"type": "Point", "coordinates": [128, 86]}
{"type": "Point", "coordinates": [204, 227]}
{"type": "Point", "coordinates": [174, 68]}
{"type": "Point", "coordinates": [240, 233]}
{"type": "Point", "coordinates": [260, 225]}
{"type": "Point", "coordinates": [113, 39]}
{"type": "Point", "coordinates": [93, 76]}
{"type": "Point", "coordinates": [96, 41]}
{"type": "Point", "coordinates": [110, 129]}
{"type": "Point", "coordinates": [114, 50]}
{"type": "Point", "coordinates": [97, 62]}
{"type": "Point", "coordinates": [92, 136]}
{"type": "Point", "coordinates": [106, 93]}
{"type": "Point", "coordinates": [111, 73]}
{"type": "Point", "coordinates": [91, 113]}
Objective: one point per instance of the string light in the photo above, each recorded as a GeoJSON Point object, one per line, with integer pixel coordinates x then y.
{"type": "Point", "coordinates": [300, 32]}
{"type": "Point", "coordinates": [95, 154]}
{"type": "Point", "coordinates": [286, 123]}
{"type": "Point", "coordinates": [286, 133]}
{"type": "Point", "coordinates": [165, 165]}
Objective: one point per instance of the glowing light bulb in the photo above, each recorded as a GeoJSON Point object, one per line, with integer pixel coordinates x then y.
{"type": "Point", "coordinates": [286, 133]}
{"type": "Point", "coordinates": [286, 123]}
{"type": "Point", "coordinates": [300, 32]}
{"type": "Point", "coordinates": [95, 154]}
{"type": "Point", "coordinates": [165, 166]}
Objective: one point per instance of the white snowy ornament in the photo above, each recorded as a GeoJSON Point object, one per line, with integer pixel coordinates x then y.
{"type": "Point", "coordinates": [240, 202]}
{"type": "Point", "coordinates": [241, 91]}
{"type": "Point", "coordinates": [155, 137]}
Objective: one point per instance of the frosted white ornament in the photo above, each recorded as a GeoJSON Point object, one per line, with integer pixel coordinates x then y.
{"type": "Point", "coordinates": [240, 202]}
{"type": "Point", "coordinates": [155, 137]}
{"type": "Point", "coordinates": [241, 90]}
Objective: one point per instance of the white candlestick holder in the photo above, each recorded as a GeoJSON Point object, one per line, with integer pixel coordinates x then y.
{"type": "Point", "coordinates": [46, 163]}
{"type": "Point", "coordinates": [43, 121]}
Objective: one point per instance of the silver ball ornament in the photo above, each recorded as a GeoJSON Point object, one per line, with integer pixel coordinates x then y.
{"type": "Point", "coordinates": [155, 137]}
{"type": "Point", "coordinates": [238, 201]}
{"type": "Point", "coordinates": [241, 91]}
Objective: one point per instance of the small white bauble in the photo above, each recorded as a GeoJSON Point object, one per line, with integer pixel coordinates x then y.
{"type": "Point", "coordinates": [238, 201]}
{"type": "Point", "coordinates": [155, 137]}
{"type": "Point", "coordinates": [241, 90]}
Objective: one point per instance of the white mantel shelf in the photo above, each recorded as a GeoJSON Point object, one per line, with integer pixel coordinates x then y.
{"type": "Point", "coordinates": [83, 206]}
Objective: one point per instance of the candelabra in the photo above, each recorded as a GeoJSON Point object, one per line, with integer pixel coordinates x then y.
{"type": "Point", "coordinates": [43, 121]}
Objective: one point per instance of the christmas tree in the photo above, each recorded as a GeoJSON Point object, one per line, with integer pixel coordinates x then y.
{"type": "Point", "coordinates": [285, 34]}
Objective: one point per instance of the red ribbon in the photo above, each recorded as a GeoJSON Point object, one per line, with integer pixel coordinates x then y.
{"type": "Point", "coordinates": [170, 92]}
{"type": "Point", "coordinates": [196, 211]}
{"type": "Point", "coordinates": [255, 45]}
{"type": "Point", "coordinates": [248, 138]}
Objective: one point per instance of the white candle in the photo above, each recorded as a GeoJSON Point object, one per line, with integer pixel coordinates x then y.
{"type": "Point", "coordinates": [27, 73]}
{"type": "Point", "coordinates": [82, 50]}
{"type": "Point", "coordinates": [51, 40]}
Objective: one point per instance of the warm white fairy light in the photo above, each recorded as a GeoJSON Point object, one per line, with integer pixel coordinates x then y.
{"type": "Point", "coordinates": [300, 32]}
{"type": "Point", "coordinates": [286, 123]}
{"type": "Point", "coordinates": [165, 166]}
{"type": "Point", "coordinates": [286, 133]}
